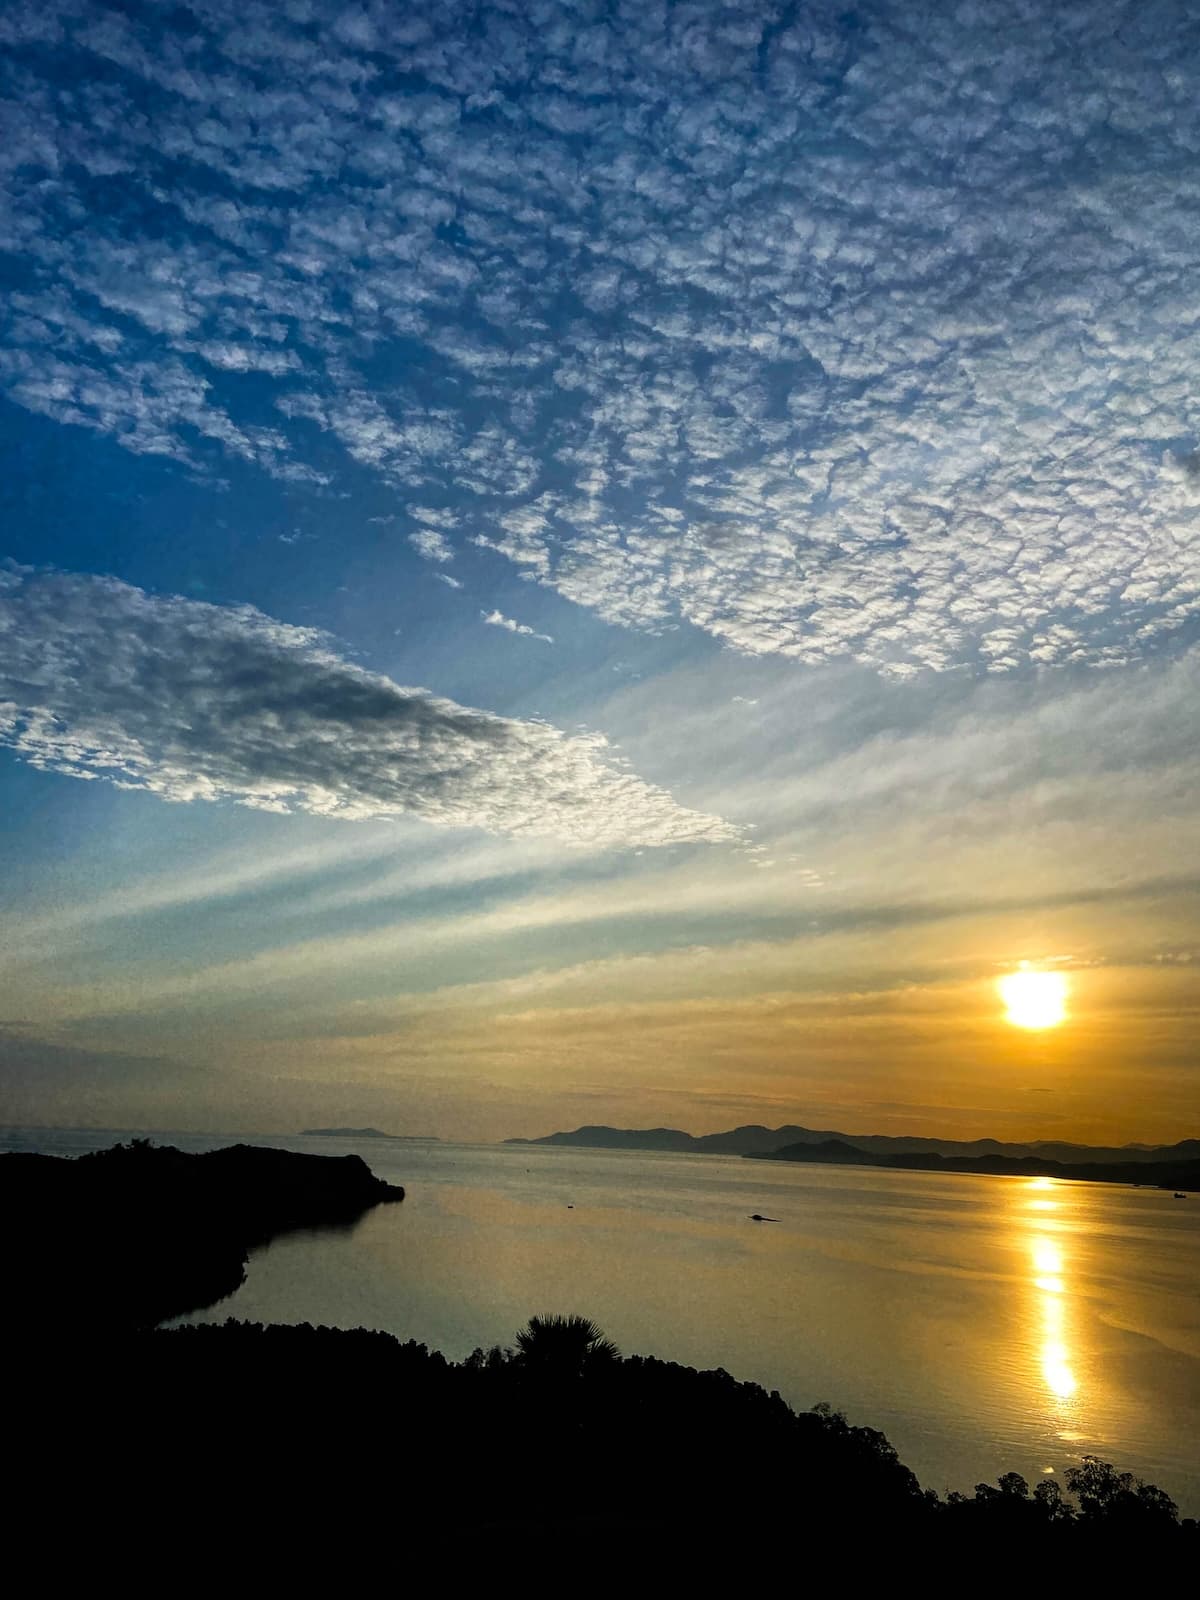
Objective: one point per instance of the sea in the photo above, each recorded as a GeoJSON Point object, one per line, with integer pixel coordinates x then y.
{"type": "Point", "coordinates": [984, 1324]}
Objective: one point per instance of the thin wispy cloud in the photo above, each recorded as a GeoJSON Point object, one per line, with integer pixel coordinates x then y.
{"type": "Point", "coordinates": [872, 342]}
{"type": "Point", "coordinates": [200, 702]}
{"type": "Point", "coordinates": [497, 619]}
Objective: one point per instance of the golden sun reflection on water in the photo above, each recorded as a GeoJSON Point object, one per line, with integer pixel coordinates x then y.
{"type": "Point", "coordinates": [1056, 1360]}
{"type": "Point", "coordinates": [1048, 1261]}
{"type": "Point", "coordinates": [1051, 1298]}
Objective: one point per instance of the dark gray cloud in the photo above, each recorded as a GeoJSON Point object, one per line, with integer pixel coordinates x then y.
{"type": "Point", "coordinates": [834, 333]}
{"type": "Point", "coordinates": [30, 1064]}
{"type": "Point", "coordinates": [202, 702]}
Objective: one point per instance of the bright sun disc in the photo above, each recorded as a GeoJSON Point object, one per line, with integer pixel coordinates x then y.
{"type": "Point", "coordinates": [1034, 999]}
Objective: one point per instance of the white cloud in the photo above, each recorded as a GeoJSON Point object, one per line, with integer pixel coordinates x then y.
{"type": "Point", "coordinates": [871, 342]}
{"type": "Point", "coordinates": [497, 619]}
{"type": "Point", "coordinates": [432, 544]}
{"type": "Point", "coordinates": [434, 516]}
{"type": "Point", "coordinates": [232, 357]}
{"type": "Point", "coordinates": [201, 702]}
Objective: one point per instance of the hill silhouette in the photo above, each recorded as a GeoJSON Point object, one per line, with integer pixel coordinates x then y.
{"type": "Point", "coordinates": [1181, 1175]}
{"type": "Point", "coordinates": [754, 1139]}
{"type": "Point", "coordinates": [129, 1236]}
{"type": "Point", "coordinates": [305, 1447]}
{"type": "Point", "coordinates": [368, 1133]}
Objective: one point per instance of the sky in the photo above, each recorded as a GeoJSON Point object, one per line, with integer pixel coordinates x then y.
{"type": "Point", "coordinates": [568, 562]}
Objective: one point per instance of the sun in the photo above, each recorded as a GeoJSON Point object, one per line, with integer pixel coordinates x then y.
{"type": "Point", "coordinates": [1034, 999]}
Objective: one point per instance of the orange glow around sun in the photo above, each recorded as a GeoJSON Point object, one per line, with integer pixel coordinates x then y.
{"type": "Point", "coordinates": [1034, 999]}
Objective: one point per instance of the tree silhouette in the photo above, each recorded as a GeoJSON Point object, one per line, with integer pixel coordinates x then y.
{"type": "Point", "coordinates": [1118, 1498]}
{"type": "Point", "coordinates": [564, 1346]}
{"type": "Point", "coordinates": [1049, 1497]}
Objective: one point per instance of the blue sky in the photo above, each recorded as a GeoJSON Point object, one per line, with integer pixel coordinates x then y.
{"type": "Point", "coordinates": [598, 562]}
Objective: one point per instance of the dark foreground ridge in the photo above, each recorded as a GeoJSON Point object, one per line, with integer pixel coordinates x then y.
{"type": "Point", "coordinates": [1183, 1175]}
{"type": "Point", "coordinates": [127, 1237]}
{"type": "Point", "coordinates": [317, 1445]}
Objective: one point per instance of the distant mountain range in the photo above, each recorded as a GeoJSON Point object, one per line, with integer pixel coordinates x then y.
{"type": "Point", "coordinates": [755, 1140]}
{"type": "Point", "coordinates": [1166, 1173]}
{"type": "Point", "coordinates": [368, 1133]}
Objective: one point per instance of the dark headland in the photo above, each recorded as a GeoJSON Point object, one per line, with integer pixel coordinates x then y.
{"type": "Point", "coordinates": [127, 1237]}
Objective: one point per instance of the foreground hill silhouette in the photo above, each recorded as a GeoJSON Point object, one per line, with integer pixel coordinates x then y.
{"type": "Point", "coordinates": [127, 1237]}
{"type": "Point", "coordinates": [307, 1448]}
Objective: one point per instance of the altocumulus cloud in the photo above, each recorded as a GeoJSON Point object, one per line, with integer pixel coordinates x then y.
{"type": "Point", "coordinates": [195, 701]}
{"type": "Point", "coordinates": [866, 333]}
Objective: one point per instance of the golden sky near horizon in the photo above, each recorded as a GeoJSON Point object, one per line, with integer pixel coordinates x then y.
{"type": "Point", "coordinates": [362, 1027]}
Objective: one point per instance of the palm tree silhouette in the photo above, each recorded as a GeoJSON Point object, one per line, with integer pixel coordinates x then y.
{"type": "Point", "coordinates": [564, 1346]}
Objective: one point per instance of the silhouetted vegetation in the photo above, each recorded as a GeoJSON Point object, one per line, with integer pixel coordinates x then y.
{"type": "Point", "coordinates": [565, 1347]}
{"type": "Point", "coordinates": [136, 1234]}
{"type": "Point", "coordinates": [314, 1440]}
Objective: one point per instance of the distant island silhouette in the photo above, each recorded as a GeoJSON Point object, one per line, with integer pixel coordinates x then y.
{"type": "Point", "coordinates": [369, 1133]}
{"type": "Point", "coordinates": [133, 1235]}
{"type": "Point", "coordinates": [1175, 1166]}
{"type": "Point", "coordinates": [1158, 1174]}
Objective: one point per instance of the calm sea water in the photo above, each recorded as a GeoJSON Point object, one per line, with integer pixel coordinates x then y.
{"type": "Point", "coordinates": [984, 1324]}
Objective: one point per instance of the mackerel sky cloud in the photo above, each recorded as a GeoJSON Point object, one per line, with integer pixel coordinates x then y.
{"type": "Point", "coordinates": [199, 702]}
{"type": "Point", "coordinates": [868, 339]}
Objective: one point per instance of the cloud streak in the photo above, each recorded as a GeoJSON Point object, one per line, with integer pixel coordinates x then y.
{"type": "Point", "coordinates": [200, 702]}
{"type": "Point", "coordinates": [497, 619]}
